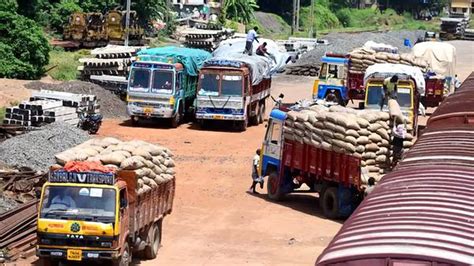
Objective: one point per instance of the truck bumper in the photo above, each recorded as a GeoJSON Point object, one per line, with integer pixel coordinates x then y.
{"type": "Point", "coordinates": [162, 112]}
{"type": "Point", "coordinates": [220, 117]}
{"type": "Point", "coordinates": [61, 254]}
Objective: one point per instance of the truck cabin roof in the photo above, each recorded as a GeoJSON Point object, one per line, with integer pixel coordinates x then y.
{"type": "Point", "coordinates": [243, 69]}
{"type": "Point", "coordinates": [334, 60]}
{"type": "Point", "coordinates": [153, 64]}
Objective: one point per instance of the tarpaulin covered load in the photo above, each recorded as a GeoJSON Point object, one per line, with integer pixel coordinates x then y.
{"type": "Point", "coordinates": [237, 46]}
{"type": "Point", "coordinates": [440, 56]}
{"type": "Point", "coordinates": [389, 70]}
{"type": "Point", "coordinates": [260, 66]}
{"type": "Point", "coordinates": [192, 59]}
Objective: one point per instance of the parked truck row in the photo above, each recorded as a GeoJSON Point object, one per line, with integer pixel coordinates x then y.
{"type": "Point", "coordinates": [174, 83]}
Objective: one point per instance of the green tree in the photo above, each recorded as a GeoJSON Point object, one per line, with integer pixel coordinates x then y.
{"type": "Point", "coordinates": [60, 13]}
{"type": "Point", "coordinates": [8, 5]}
{"type": "Point", "coordinates": [240, 10]}
{"type": "Point", "coordinates": [24, 48]}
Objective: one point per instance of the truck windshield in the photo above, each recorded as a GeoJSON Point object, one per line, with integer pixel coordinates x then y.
{"type": "Point", "coordinates": [78, 203]}
{"type": "Point", "coordinates": [375, 92]}
{"type": "Point", "coordinates": [140, 80]}
{"type": "Point", "coordinates": [231, 85]}
{"type": "Point", "coordinates": [162, 82]}
{"type": "Point", "coordinates": [209, 85]}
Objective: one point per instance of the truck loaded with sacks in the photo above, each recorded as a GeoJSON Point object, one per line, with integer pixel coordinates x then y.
{"type": "Point", "coordinates": [105, 199]}
{"type": "Point", "coordinates": [334, 151]}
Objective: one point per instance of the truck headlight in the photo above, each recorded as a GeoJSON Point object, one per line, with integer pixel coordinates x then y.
{"type": "Point", "coordinates": [45, 241]}
{"type": "Point", "coordinates": [106, 244]}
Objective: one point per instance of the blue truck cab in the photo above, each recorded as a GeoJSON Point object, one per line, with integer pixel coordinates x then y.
{"type": "Point", "coordinates": [332, 79]}
{"type": "Point", "coordinates": [162, 83]}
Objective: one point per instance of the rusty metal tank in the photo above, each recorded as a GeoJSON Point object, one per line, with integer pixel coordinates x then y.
{"type": "Point", "coordinates": [76, 30]}
{"type": "Point", "coordinates": [115, 29]}
{"type": "Point", "coordinates": [457, 109]}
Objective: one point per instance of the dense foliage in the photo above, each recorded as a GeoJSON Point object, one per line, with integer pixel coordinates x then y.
{"type": "Point", "coordinates": [23, 47]}
{"type": "Point", "coordinates": [240, 10]}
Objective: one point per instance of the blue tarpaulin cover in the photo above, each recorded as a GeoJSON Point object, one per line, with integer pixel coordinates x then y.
{"type": "Point", "coordinates": [192, 59]}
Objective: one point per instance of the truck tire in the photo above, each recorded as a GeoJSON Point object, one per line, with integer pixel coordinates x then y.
{"type": "Point", "coordinates": [126, 257]}
{"type": "Point", "coordinates": [242, 126]}
{"type": "Point", "coordinates": [176, 120]}
{"type": "Point", "coordinates": [273, 187]}
{"type": "Point", "coordinates": [154, 238]}
{"type": "Point", "coordinates": [134, 120]}
{"type": "Point", "coordinates": [261, 113]}
{"type": "Point", "coordinates": [254, 119]}
{"type": "Point", "coordinates": [330, 203]}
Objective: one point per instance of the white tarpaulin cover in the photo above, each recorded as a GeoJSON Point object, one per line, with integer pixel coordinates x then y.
{"type": "Point", "coordinates": [388, 70]}
{"type": "Point", "coordinates": [381, 47]}
{"type": "Point", "coordinates": [440, 56]}
{"type": "Point", "coordinates": [234, 48]}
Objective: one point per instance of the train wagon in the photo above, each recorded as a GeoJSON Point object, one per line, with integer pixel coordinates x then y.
{"type": "Point", "coordinates": [421, 213]}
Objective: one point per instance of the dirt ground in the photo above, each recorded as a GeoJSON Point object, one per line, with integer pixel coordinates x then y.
{"type": "Point", "coordinates": [214, 220]}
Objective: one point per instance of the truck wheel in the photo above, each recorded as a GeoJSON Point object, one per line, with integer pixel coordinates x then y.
{"type": "Point", "coordinates": [154, 238]}
{"type": "Point", "coordinates": [176, 120]}
{"type": "Point", "coordinates": [254, 119]}
{"type": "Point", "coordinates": [243, 124]}
{"type": "Point", "coordinates": [261, 113]}
{"type": "Point", "coordinates": [273, 187]}
{"type": "Point", "coordinates": [330, 203]}
{"type": "Point", "coordinates": [126, 257]}
{"type": "Point", "coordinates": [134, 120]}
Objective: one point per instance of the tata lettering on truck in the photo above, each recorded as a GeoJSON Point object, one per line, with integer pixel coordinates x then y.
{"type": "Point", "coordinates": [109, 221]}
{"type": "Point", "coordinates": [162, 83]}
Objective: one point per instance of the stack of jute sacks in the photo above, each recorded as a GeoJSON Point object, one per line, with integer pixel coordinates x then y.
{"type": "Point", "coordinates": [364, 134]}
{"type": "Point", "coordinates": [362, 58]}
{"type": "Point", "coordinates": [152, 164]}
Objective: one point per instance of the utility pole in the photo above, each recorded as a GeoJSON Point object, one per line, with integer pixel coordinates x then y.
{"type": "Point", "coordinates": [298, 5]}
{"type": "Point", "coordinates": [311, 31]}
{"type": "Point", "coordinates": [127, 22]}
{"type": "Point", "coordinates": [293, 18]}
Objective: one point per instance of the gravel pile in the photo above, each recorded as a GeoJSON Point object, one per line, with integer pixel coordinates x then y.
{"type": "Point", "coordinates": [7, 204]}
{"type": "Point", "coordinates": [110, 104]}
{"type": "Point", "coordinates": [346, 42]}
{"type": "Point", "coordinates": [36, 149]}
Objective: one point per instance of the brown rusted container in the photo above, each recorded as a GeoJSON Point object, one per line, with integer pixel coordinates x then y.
{"type": "Point", "coordinates": [420, 214]}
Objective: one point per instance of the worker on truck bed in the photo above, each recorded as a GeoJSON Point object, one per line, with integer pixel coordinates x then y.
{"type": "Point", "coordinates": [251, 36]}
{"type": "Point", "coordinates": [255, 178]}
{"type": "Point", "coordinates": [399, 133]}
{"type": "Point", "coordinates": [389, 90]}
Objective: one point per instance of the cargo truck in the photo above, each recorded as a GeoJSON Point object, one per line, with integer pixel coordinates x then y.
{"type": "Point", "coordinates": [335, 77]}
{"type": "Point", "coordinates": [101, 217]}
{"type": "Point", "coordinates": [162, 83]}
{"type": "Point", "coordinates": [229, 90]}
{"type": "Point", "coordinates": [289, 164]}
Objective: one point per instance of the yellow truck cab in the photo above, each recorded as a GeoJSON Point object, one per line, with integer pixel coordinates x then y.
{"type": "Point", "coordinates": [99, 216]}
{"type": "Point", "coordinates": [407, 98]}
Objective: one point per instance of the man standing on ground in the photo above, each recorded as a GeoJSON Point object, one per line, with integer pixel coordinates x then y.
{"type": "Point", "coordinates": [389, 90]}
{"type": "Point", "coordinates": [251, 36]}
{"type": "Point", "coordinates": [255, 178]}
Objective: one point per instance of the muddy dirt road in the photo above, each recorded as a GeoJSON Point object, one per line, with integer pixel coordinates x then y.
{"type": "Point", "coordinates": [214, 220]}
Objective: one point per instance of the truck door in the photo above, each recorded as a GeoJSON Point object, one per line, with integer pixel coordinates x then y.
{"type": "Point", "coordinates": [272, 146]}
{"type": "Point", "coordinates": [124, 216]}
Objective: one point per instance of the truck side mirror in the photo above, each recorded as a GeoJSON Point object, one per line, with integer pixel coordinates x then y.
{"type": "Point", "coordinates": [361, 105]}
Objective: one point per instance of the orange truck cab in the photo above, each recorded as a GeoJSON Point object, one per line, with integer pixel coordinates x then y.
{"type": "Point", "coordinates": [93, 216]}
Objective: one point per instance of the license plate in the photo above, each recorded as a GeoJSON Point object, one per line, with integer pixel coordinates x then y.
{"type": "Point", "coordinates": [148, 110]}
{"type": "Point", "coordinates": [74, 254]}
{"type": "Point", "coordinates": [217, 117]}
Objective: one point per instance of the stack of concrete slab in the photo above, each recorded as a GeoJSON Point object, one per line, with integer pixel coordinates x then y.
{"type": "Point", "coordinates": [51, 106]}
{"type": "Point", "coordinates": [204, 38]}
{"type": "Point", "coordinates": [112, 60]}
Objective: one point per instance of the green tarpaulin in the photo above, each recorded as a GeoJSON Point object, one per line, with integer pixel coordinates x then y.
{"type": "Point", "coordinates": [192, 59]}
